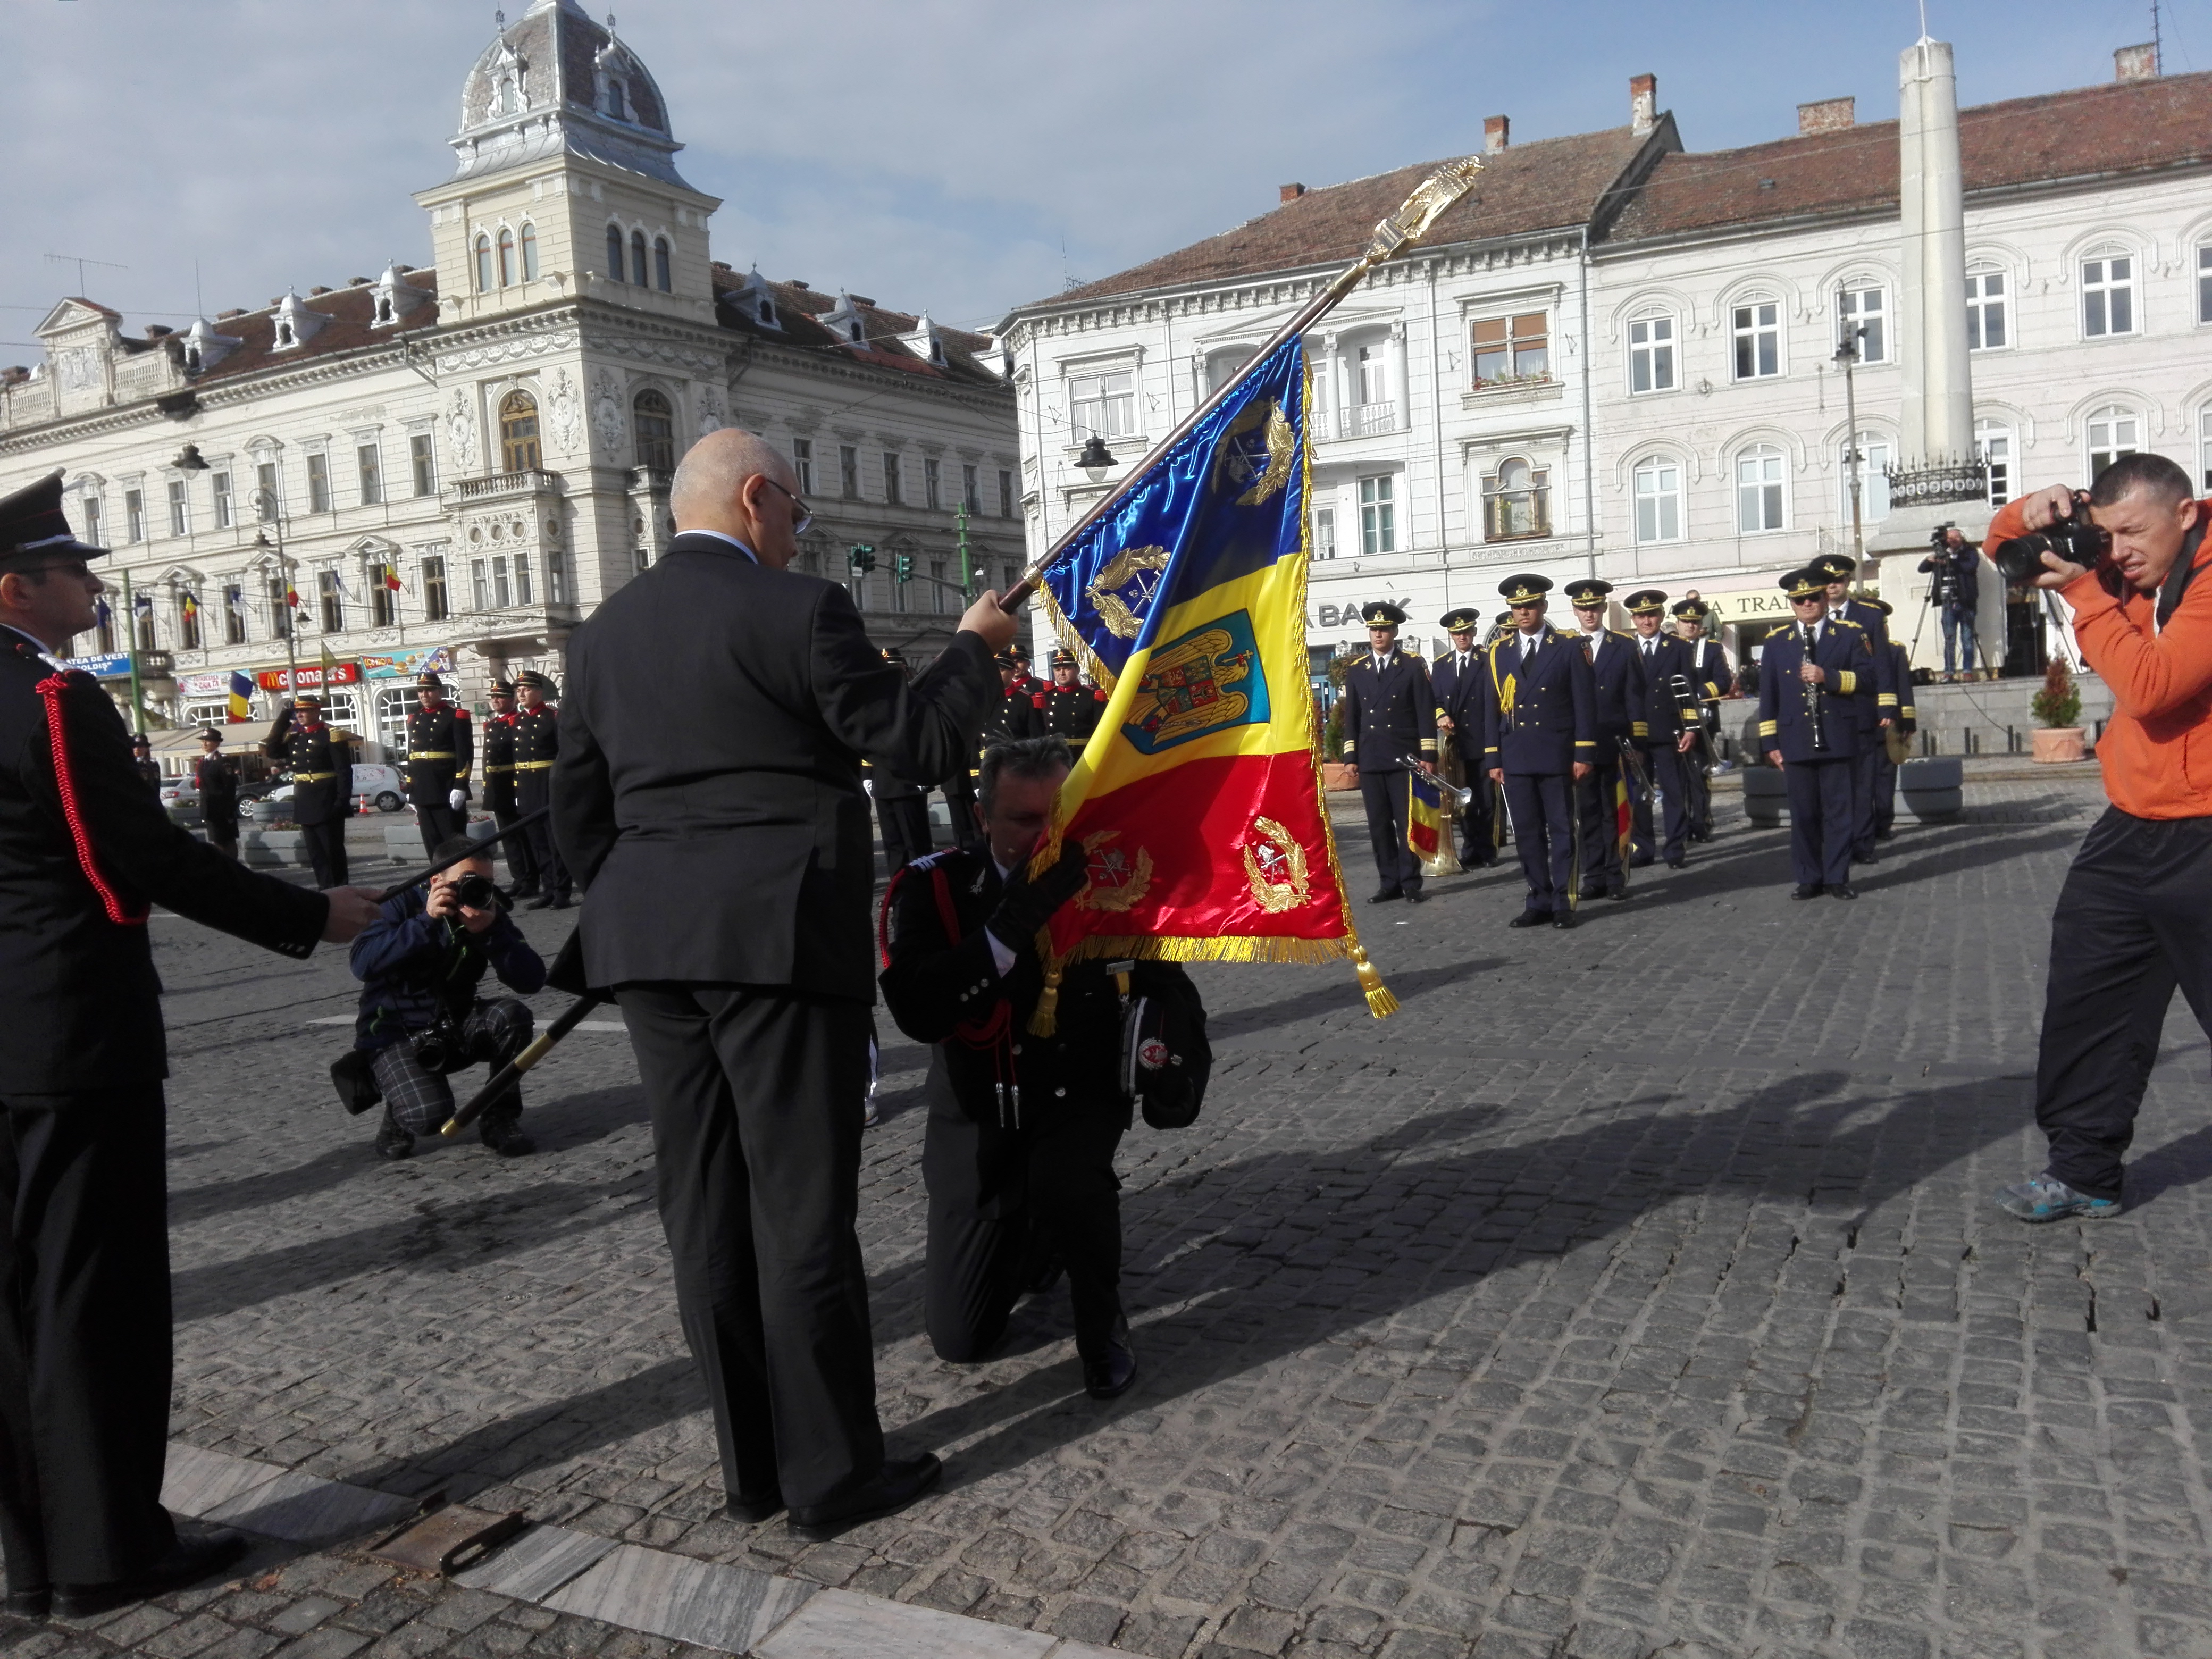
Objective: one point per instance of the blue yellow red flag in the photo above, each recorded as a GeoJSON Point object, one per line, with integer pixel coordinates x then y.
{"type": "Point", "coordinates": [241, 696]}
{"type": "Point", "coordinates": [1425, 814]}
{"type": "Point", "coordinates": [1197, 800]}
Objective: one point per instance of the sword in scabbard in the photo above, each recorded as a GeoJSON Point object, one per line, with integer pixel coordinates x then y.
{"type": "Point", "coordinates": [509, 1074]}
{"type": "Point", "coordinates": [480, 845]}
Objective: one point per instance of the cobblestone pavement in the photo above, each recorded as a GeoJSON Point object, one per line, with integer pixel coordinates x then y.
{"type": "Point", "coordinates": [1633, 1291]}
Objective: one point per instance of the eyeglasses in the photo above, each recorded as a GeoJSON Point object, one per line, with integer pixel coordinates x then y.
{"type": "Point", "coordinates": [802, 516]}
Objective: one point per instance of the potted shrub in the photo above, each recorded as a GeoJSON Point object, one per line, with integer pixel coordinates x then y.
{"type": "Point", "coordinates": [1336, 773]}
{"type": "Point", "coordinates": [2057, 707]}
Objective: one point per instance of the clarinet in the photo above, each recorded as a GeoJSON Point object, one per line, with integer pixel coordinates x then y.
{"type": "Point", "coordinates": [1810, 688]}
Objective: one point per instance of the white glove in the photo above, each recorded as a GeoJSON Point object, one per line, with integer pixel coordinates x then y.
{"type": "Point", "coordinates": [454, 798]}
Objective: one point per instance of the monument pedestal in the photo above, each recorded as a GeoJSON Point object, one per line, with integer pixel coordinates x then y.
{"type": "Point", "coordinates": [1903, 539]}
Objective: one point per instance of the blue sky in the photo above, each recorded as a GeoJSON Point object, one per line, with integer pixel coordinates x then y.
{"type": "Point", "coordinates": [926, 153]}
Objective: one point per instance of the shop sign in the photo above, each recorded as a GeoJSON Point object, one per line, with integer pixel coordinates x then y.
{"type": "Point", "coordinates": [115, 666]}
{"type": "Point", "coordinates": [310, 679]}
{"type": "Point", "coordinates": [405, 664]}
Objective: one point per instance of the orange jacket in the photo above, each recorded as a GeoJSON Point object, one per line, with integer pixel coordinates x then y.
{"type": "Point", "coordinates": [2157, 747]}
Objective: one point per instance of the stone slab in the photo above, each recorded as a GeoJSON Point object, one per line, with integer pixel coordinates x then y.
{"type": "Point", "coordinates": [303, 1509]}
{"type": "Point", "coordinates": [701, 1602]}
{"type": "Point", "coordinates": [197, 1482]}
{"type": "Point", "coordinates": [531, 1567]}
{"type": "Point", "coordinates": [844, 1624]}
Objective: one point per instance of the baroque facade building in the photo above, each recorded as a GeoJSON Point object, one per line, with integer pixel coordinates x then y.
{"type": "Point", "coordinates": [1618, 356]}
{"type": "Point", "coordinates": [451, 464]}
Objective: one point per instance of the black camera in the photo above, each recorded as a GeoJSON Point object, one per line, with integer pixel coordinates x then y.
{"type": "Point", "coordinates": [439, 1047]}
{"type": "Point", "coordinates": [479, 892]}
{"type": "Point", "coordinates": [2075, 540]}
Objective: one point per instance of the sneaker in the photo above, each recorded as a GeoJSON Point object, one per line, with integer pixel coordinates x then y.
{"type": "Point", "coordinates": [2046, 1198]}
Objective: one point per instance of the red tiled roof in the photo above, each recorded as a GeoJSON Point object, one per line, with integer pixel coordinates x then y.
{"type": "Point", "coordinates": [797, 309]}
{"type": "Point", "coordinates": [1551, 184]}
{"type": "Point", "coordinates": [2125, 127]}
{"type": "Point", "coordinates": [351, 311]}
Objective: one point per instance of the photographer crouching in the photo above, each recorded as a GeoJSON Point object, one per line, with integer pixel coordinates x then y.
{"type": "Point", "coordinates": [2135, 917]}
{"type": "Point", "coordinates": [419, 962]}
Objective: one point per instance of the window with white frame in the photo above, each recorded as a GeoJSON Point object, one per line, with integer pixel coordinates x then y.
{"type": "Point", "coordinates": [1651, 354]}
{"type": "Point", "coordinates": [180, 518]}
{"type": "Point", "coordinates": [971, 489]}
{"type": "Point", "coordinates": [2204, 283]}
{"type": "Point", "coordinates": [89, 506]}
{"type": "Point", "coordinates": [1657, 486]}
{"type": "Point", "coordinates": [382, 603]}
{"type": "Point", "coordinates": [1006, 493]}
{"type": "Point", "coordinates": [848, 471]}
{"type": "Point", "coordinates": [1324, 527]}
{"type": "Point", "coordinates": [1510, 348]}
{"type": "Point", "coordinates": [134, 516]}
{"type": "Point", "coordinates": [802, 463]}
{"type": "Point", "coordinates": [1761, 472]}
{"type": "Point", "coordinates": [2108, 293]}
{"type": "Point", "coordinates": [1102, 404]}
{"type": "Point", "coordinates": [2112, 432]}
{"type": "Point", "coordinates": [1756, 325]}
{"type": "Point", "coordinates": [332, 597]}
{"type": "Point", "coordinates": [1993, 443]}
{"type": "Point", "coordinates": [319, 482]}
{"type": "Point", "coordinates": [1373, 408]}
{"type": "Point", "coordinates": [1378, 514]}
{"type": "Point", "coordinates": [224, 509]}
{"type": "Point", "coordinates": [1873, 478]}
{"type": "Point", "coordinates": [1516, 501]}
{"type": "Point", "coordinates": [483, 264]}
{"type": "Point", "coordinates": [894, 478]}
{"type": "Point", "coordinates": [368, 469]}
{"type": "Point", "coordinates": [422, 462]}
{"type": "Point", "coordinates": [266, 498]}
{"type": "Point", "coordinates": [1863, 312]}
{"type": "Point", "coordinates": [932, 483]}
{"type": "Point", "coordinates": [435, 603]}
{"type": "Point", "coordinates": [1988, 325]}
{"type": "Point", "coordinates": [2204, 449]}
{"type": "Point", "coordinates": [1221, 366]}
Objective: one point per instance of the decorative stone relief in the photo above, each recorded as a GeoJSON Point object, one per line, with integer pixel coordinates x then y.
{"type": "Point", "coordinates": [608, 426]}
{"type": "Point", "coordinates": [710, 412]}
{"type": "Point", "coordinates": [565, 414]}
{"type": "Point", "coordinates": [77, 369]}
{"type": "Point", "coordinates": [461, 433]}
{"type": "Point", "coordinates": [509, 350]}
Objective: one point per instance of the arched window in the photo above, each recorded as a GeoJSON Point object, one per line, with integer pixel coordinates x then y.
{"type": "Point", "coordinates": [2112, 432]}
{"type": "Point", "coordinates": [615, 251]}
{"type": "Point", "coordinates": [1759, 475]}
{"type": "Point", "coordinates": [530, 253]}
{"type": "Point", "coordinates": [1657, 483]}
{"type": "Point", "coordinates": [637, 258]}
{"type": "Point", "coordinates": [1651, 354]}
{"type": "Point", "coordinates": [616, 105]}
{"type": "Point", "coordinates": [518, 432]}
{"type": "Point", "coordinates": [1873, 478]}
{"type": "Point", "coordinates": [2108, 293]}
{"type": "Point", "coordinates": [1516, 501]}
{"type": "Point", "coordinates": [483, 265]}
{"type": "Point", "coordinates": [1755, 323]}
{"type": "Point", "coordinates": [507, 101]}
{"type": "Point", "coordinates": [506, 257]}
{"type": "Point", "coordinates": [660, 271]}
{"type": "Point", "coordinates": [656, 431]}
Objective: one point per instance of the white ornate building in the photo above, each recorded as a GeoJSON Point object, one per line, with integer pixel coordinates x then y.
{"type": "Point", "coordinates": [1618, 356]}
{"type": "Point", "coordinates": [453, 463]}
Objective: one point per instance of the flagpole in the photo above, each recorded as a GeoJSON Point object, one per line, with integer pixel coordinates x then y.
{"type": "Point", "coordinates": [131, 622]}
{"type": "Point", "coordinates": [1393, 236]}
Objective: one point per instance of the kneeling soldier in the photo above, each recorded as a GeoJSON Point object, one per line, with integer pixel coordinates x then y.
{"type": "Point", "coordinates": [1019, 1156]}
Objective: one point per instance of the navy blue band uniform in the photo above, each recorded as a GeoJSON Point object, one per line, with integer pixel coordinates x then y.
{"type": "Point", "coordinates": [1816, 731]}
{"type": "Point", "coordinates": [1390, 724]}
{"type": "Point", "coordinates": [1616, 680]}
{"type": "Point", "coordinates": [1455, 680]}
{"type": "Point", "coordinates": [1670, 708]}
{"type": "Point", "coordinates": [1540, 722]}
{"type": "Point", "coordinates": [496, 762]}
{"type": "Point", "coordinates": [1875, 701]}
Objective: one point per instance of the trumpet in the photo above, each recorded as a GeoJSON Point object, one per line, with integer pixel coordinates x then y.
{"type": "Point", "coordinates": [1462, 799]}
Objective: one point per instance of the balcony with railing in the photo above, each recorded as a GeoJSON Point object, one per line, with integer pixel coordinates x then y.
{"type": "Point", "coordinates": [1367, 420]}
{"type": "Point", "coordinates": [495, 486]}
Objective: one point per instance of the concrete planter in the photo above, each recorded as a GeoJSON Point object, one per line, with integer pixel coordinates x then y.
{"type": "Point", "coordinates": [1765, 797]}
{"type": "Point", "coordinates": [266, 848]}
{"type": "Point", "coordinates": [2054, 744]}
{"type": "Point", "coordinates": [1933, 789]}
{"type": "Point", "coordinates": [1338, 774]}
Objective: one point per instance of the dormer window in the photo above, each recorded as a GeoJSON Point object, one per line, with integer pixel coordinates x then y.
{"type": "Point", "coordinates": [767, 312]}
{"type": "Point", "coordinates": [615, 106]}
{"type": "Point", "coordinates": [383, 315]}
{"type": "Point", "coordinates": [508, 99]}
{"type": "Point", "coordinates": [286, 336]}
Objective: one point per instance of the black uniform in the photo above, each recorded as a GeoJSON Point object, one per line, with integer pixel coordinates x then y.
{"type": "Point", "coordinates": [1389, 723]}
{"type": "Point", "coordinates": [217, 781]}
{"type": "Point", "coordinates": [149, 774]}
{"type": "Point", "coordinates": [1618, 690]}
{"type": "Point", "coordinates": [320, 761]}
{"type": "Point", "coordinates": [902, 813]}
{"type": "Point", "coordinates": [1457, 687]}
{"type": "Point", "coordinates": [499, 800]}
{"type": "Point", "coordinates": [536, 747]}
{"type": "Point", "coordinates": [441, 749]}
{"type": "Point", "coordinates": [1711, 678]}
{"type": "Point", "coordinates": [1019, 1154]}
{"type": "Point", "coordinates": [1875, 701]}
{"type": "Point", "coordinates": [1669, 708]}
{"type": "Point", "coordinates": [85, 1353]}
{"type": "Point", "coordinates": [1538, 715]}
{"type": "Point", "coordinates": [1072, 713]}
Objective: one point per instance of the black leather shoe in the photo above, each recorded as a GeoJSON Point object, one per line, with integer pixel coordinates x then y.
{"type": "Point", "coordinates": [1620, 892]}
{"type": "Point", "coordinates": [1109, 1377]}
{"type": "Point", "coordinates": [1384, 897]}
{"type": "Point", "coordinates": [30, 1603]}
{"type": "Point", "coordinates": [560, 902]}
{"type": "Point", "coordinates": [1868, 857]}
{"type": "Point", "coordinates": [753, 1510]}
{"type": "Point", "coordinates": [1530, 918]}
{"type": "Point", "coordinates": [504, 1136]}
{"type": "Point", "coordinates": [898, 1484]}
{"type": "Point", "coordinates": [1415, 895]}
{"type": "Point", "coordinates": [1842, 890]}
{"type": "Point", "coordinates": [1563, 919]}
{"type": "Point", "coordinates": [543, 902]}
{"type": "Point", "coordinates": [1806, 891]}
{"type": "Point", "coordinates": [392, 1142]}
{"type": "Point", "coordinates": [185, 1562]}
{"type": "Point", "coordinates": [1677, 863]}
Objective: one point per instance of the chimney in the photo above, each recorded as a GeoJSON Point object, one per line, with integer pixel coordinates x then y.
{"type": "Point", "coordinates": [1289, 192]}
{"type": "Point", "coordinates": [2136, 63]}
{"type": "Point", "coordinates": [1643, 103]}
{"type": "Point", "coordinates": [1497, 133]}
{"type": "Point", "coordinates": [1829, 115]}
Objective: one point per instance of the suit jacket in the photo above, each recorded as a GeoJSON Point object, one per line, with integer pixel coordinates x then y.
{"type": "Point", "coordinates": [1784, 723]}
{"type": "Point", "coordinates": [1617, 682]}
{"type": "Point", "coordinates": [1876, 697]}
{"type": "Point", "coordinates": [707, 793]}
{"type": "Point", "coordinates": [1709, 673]}
{"type": "Point", "coordinates": [441, 746]}
{"type": "Point", "coordinates": [1665, 713]}
{"type": "Point", "coordinates": [83, 999]}
{"type": "Point", "coordinates": [320, 761]}
{"type": "Point", "coordinates": [1539, 720]}
{"type": "Point", "coordinates": [1389, 713]}
{"type": "Point", "coordinates": [1459, 696]}
{"type": "Point", "coordinates": [218, 783]}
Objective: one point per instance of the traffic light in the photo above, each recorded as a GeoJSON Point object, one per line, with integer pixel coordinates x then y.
{"type": "Point", "coordinates": [862, 557]}
{"type": "Point", "coordinates": [903, 566]}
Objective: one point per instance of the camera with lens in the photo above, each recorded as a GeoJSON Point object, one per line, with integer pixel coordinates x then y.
{"type": "Point", "coordinates": [479, 892]}
{"type": "Point", "coordinates": [438, 1046]}
{"type": "Point", "coordinates": [2074, 539]}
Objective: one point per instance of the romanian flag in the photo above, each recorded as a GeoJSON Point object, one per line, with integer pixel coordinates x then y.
{"type": "Point", "coordinates": [1198, 797]}
{"type": "Point", "coordinates": [392, 578]}
{"type": "Point", "coordinates": [241, 698]}
{"type": "Point", "coordinates": [291, 595]}
{"type": "Point", "coordinates": [1425, 815]}
{"type": "Point", "coordinates": [190, 605]}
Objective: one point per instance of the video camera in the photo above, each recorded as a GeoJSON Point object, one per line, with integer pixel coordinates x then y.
{"type": "Point", "coordinates": [2074, 539]}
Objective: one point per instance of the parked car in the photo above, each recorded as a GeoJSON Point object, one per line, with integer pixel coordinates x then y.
{"type": "Point", "coordinates": [180, 798]}
{"type": "Point", "coordinates": [379, 786]}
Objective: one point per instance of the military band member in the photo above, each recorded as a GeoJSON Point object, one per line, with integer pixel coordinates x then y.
{"type": "Point", "coordinates": [1908, 722]}
{"type": "Point", "coordinates": [499, 796]}
{"type": "Point", "coordinates": [1539, 740]}
{"type": "Point", "coordinates": [320, 761]}
{"type": "Point", "coordinates": [1456, 679]}
{"type": "Point", "coordinates": [144, 763]}
{"type": "Point", "coordinates": [1713, 679]}
{"type": "Point", "coordinates": [216, 780]}
{"type": "Point", "coordinates": [902, 807]}
{"type": "Point", "coordinates": [1390, 727]}
{"type": "Point", "coordinates": [1666, 730]}
{"type": "Point", "coordinates": [536, 747]}
{"type": "Point", "coordinates": [1617, 685]}
{"type": "Point", "coordinates": [441, 749]}
{"type": "Point", "coordinates": [1809, 673]}
{"type": "Point", "coordinates": [1068, 708]}
{"type": "Point", "coordinates": [1876, 701]}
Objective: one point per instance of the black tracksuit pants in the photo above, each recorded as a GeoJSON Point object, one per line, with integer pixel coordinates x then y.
{"type": "Point", "coordinates": [1389, 798]}
{"type": "Point", "coordinates": [757, 1095]}
{"type": "Point", "coordinates": [2133, 921]}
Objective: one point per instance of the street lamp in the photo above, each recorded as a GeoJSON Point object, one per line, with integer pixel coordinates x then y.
{"type": "Point", "coordinates": [189, 460]}
{"type": "Point", "coordinates": [1847, 358]}
{"type": "Point", "coordinates": [1095, 461]}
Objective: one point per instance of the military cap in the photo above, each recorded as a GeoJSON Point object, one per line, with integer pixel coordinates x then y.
{"type": "Point", "coordinates": [209, 734]}
{"type": "Point", "coordinates": [426, 681]}
{"type": "Point", "coordinates": [1882, 605]}
{"type": "Point", "coordinates": [1524, 589]}
{"type": "Point", "coordinates": [533, 680]}
{"type": "Point", "coordinates": [502, 688]}
{"type": "Point", "coordinates": [140, 741]}
{"type": "Point", "coordinates": [1465, 620]}
{"type": "Point", "coordinates": [1836, 567]}
{"type": "Point", "coordinates": [32, 526]}
{"type": "Point", "coordinates": [1645, 602]}
{"type": "Point", "coordinates": [1007, 660]}
{"type": "Point", "coordinates": [1018, 652]}
{"type": "Point", "coordinates": [1381, 614]}
{"type": "Point", "coordinates": [1588, 592]}
{"type": "Point", "coordinates": [1504, 619]}
{"type": "Point", "coordinates": [1807, 584]}
{"type": "Point", "coordinates": [1063, 659]}
{"type": "Point", "coordinates": [893, 655]}
{"type": "Point", "coordinates": [1694, 611]}
{"type": "Point", "coordinates": [307, 700]}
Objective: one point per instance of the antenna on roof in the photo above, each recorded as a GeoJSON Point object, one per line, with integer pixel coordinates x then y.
{"type": "Point", "coordinates": [2158, 41]}
{"type": "Point", "coordinates": [1923, 19]}
{"type": "Point", "coordinates": [499, 22]}
{"type": "Point", "coordinates": [81, 261]}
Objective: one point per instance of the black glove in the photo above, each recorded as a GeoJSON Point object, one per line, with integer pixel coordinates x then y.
{"type": "Point", "coordinates": [1027, 905]}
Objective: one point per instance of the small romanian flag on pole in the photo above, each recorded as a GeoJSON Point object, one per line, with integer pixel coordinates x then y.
{"type": "Point", "coordinates": [190, 605]}
{"type": "Point", "coordinates": [1425, 815]}
{"type": "Point", "coordinates": [392, 578]}
{"type": "Point", "coordinates": [241, 699]}
{"type": "Point", "coordinates": [1198, 797]}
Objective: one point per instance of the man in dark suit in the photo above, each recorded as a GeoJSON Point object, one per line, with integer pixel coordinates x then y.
{"type": "Point", "coordinates": [1540, 737]}
{"type": "Point", "coordinates": [1875, 703]}
{"type": "Point", "coordinates": [1456, 678]}
{"type": "Point", "coordinates": [217, 781]}
{"type": "Point", "coordinates": [728, 866]}
{"type": "Point", "coordinates": [85, 851]}
{"type": "Point", "coordinates": [1666, 722]}
{"type": "Point", "coordinates": [902, 806]}
{"type": "Point", "coordinates": [321, 762]}
{"type": "Point", "coordinates": [1808, 675]}
{"type": "Point", "coordinates": [1617, 680]}
{"type": "Point", "coordinates": [1389, 727]}
{"type": "Point", "coordinates": [1907, 723]}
